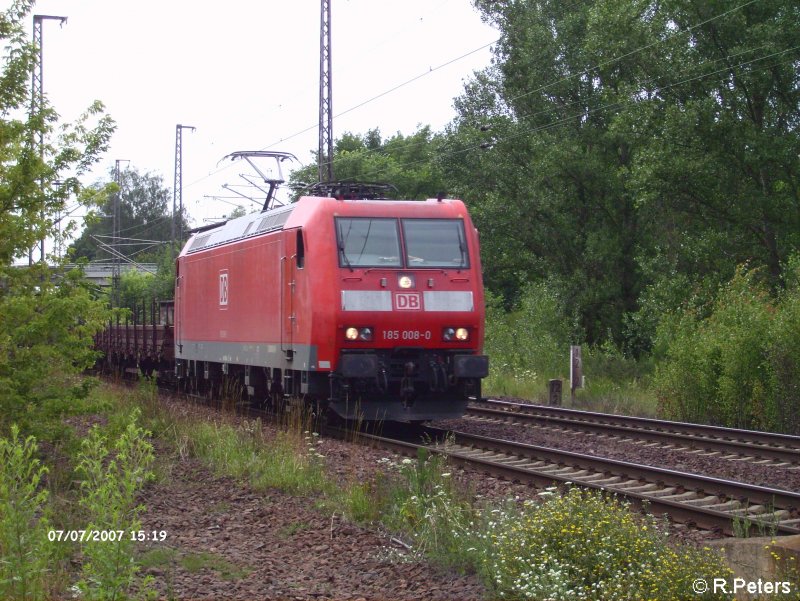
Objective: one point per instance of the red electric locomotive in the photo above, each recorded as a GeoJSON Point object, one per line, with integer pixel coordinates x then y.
{"type": "Point", "coordinates": [373, 308]}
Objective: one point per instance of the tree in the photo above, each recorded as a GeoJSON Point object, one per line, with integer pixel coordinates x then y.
{"type": "Point", "coordinates": [638, 152]}
{"type": "Point", "coordinates": [406, 162]}
{"type": "Point", "coordinates": [547, 179]}
{"type": "Point", "coordinates": [46, 321]}
{"type": "Point", "coordinates": [145, 221]}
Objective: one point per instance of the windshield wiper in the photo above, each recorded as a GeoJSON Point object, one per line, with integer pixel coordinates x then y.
{"type": "Point", "coordinates": [344, 256]}
{"type": "Point", "coordinates": [462, 245]}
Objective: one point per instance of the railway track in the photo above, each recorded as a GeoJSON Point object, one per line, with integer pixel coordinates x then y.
{"type": "Point", "coordinates": [765, 448]}
{"type": "Point", "coordinates": [705, 502]}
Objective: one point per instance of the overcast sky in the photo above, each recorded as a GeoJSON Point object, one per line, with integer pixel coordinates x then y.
{"type": "Point", "coordinates": [245, 73]}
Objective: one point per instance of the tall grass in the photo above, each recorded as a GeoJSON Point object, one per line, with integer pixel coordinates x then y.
{"type": "Point", "coordinates": [425, 504]}
{"type": "Point", "coordinates": [291, 461]}
{"type": "Point", "coordinates": [112, 476]}
{"type": "Point", "coordinates": [529, 346]}
{"type": "Point", "coordinates": [25, 551]}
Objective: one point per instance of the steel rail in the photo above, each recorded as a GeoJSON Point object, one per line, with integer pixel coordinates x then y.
{"type": "Point", "coordinates": [782, 448]}
{"type": "Point", "coordinates": [707, 503]}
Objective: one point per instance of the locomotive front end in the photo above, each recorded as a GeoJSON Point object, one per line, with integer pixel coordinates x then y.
{"type": "Point", "coordinates": [410, 327]}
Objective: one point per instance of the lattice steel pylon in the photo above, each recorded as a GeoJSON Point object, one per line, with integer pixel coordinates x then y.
{"type": "Point", "coordinates": [177, 189]}
{"type": "Point", "coordinates": [116, 227]}
{"type": "Point", "coordinates": [325, 153]}
{"type": "Point", "coordinates": [37, 98]}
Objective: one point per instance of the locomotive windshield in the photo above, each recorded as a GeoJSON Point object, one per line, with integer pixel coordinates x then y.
{"type": "Point", "coordinates": [365, 242]}
{"type": "Point", "coordinates": [435, 243]}
{"type": "Point", "coordinates": [373, 242]}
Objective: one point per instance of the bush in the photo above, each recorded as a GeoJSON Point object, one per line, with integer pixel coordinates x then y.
{"type": "Point", "coordinates": [111, 481]}
{"type": "Point", "coordinates": [736, 366]}
{"type": "Point", "coordinates": [529, 344]}
{"type": "Point", "coordinates": [24, 550]}
{"type": "Point", "coordinates": [586, 545]}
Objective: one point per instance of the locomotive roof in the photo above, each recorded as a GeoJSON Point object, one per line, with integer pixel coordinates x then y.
{"type": "Point", "coordinates": [257, 224]}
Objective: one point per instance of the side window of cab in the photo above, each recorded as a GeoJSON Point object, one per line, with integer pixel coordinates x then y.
{"type": "Point", "coordinates": [301, 250]}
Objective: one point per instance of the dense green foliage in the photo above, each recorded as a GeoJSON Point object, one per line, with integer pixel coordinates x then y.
{"type": "Point", "coordinates": [113, 473]}
{"type": "Point", "coordinates": [639, 152]}
{"type": "Point", "coordinates": [145, 221]}
{"type": "Point", "coordinates": [406, 162]}
{"type": "Point", "coordinates": [587, 545]}
{"type": "Point", "coordinates": [47, 318]}
{"type": "Point", "coordinates": [24, 547]}
{"type": "Point", "coordinates": [42, 517]}
{"type": "Point", "coordinates": [736, 363]}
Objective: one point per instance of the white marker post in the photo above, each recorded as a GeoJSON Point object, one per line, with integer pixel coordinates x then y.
{"type": "Point", "coordinates": [575, 370]}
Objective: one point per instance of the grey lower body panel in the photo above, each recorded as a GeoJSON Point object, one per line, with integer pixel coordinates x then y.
{"type": "Point", "coordinates": [261, 354]}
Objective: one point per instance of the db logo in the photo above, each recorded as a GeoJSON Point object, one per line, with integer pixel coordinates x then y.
{"type": "Point", "coordinates": [223, 288]}
{"type": "Point", "coordinates": [407, 301]}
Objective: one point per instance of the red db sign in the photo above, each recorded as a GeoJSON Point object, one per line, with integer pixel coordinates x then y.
{"type": "Point", "coordinates": [407, 301]}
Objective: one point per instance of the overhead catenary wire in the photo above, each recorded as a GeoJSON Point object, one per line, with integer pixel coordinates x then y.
{"type": "Point", "coordinates": [670, 34]}
{"type": "Point", "coordinates": [357, 106]}
{"type": "Point", "coordinates": [547, 85]}
{"type": "Point", "coordinates": [586, 112]}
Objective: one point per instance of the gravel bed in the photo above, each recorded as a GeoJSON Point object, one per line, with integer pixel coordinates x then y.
{"type": "Point", "coordinates": [225, 540]}
{"type": "Point", "coordinates": [622, 450]}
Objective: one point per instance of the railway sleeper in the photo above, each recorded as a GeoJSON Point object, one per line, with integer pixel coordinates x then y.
{"type": "Point", "coordinates": [580, 474]}
{"type": "Point", "coordinates": [548, 469]}
{"type": "Point", "coordinates": [750, 510]}
{"type": "Point", "coordinates": [564, 471]}
{"type": "Point", "coordinates": [524, 461]}
{"type": "Point", "coordinates": [643, 488]}
{"type": "Point", "coordinates": [779, 514]}
{"type": "Point", "coordinates": [533, 465]}
{"type": "Point", "coordinates": [664, 492]}
{"type": "Point", "coordinates": [603, 480]}
{"type": "Point", "coordinates": [627, 485]}
{"type": "Point", "coordinates": [683, 496]}
{"type": "Point", "coordinates": [705, 501]}
{"type": "Point", "coordinates": [487, 455]}
{"type": "Point", "coordinates": [726, 506]}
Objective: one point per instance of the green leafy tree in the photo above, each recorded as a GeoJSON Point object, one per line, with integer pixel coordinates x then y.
{"type": "Point", "coordinates": [145, 221]}
{"type": "Point", "coordinates": [406, 162]}
{"type": "Point", "coordinates": [46, 321]}
{"type": "Point", "coordinates": [636, 152]}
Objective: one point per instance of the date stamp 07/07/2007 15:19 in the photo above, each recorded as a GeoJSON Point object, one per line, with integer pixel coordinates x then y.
{"type": "Point", "coordinates": [106, 535]}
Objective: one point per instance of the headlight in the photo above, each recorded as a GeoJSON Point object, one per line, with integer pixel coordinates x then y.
{"type": "Point", "coordinates": [455, 334]}
{"type": "Point", "coordinates": [363, 334]}
{"type": "Point", "coordinates": [405, 281]}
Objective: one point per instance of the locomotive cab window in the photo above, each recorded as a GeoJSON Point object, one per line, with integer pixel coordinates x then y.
{"type": "Point", "coordinates": [435, 243]}
{"type": "Point", "coordinates": [301, 250]}
{"type": "Point", "coordinates": [368, 242]}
